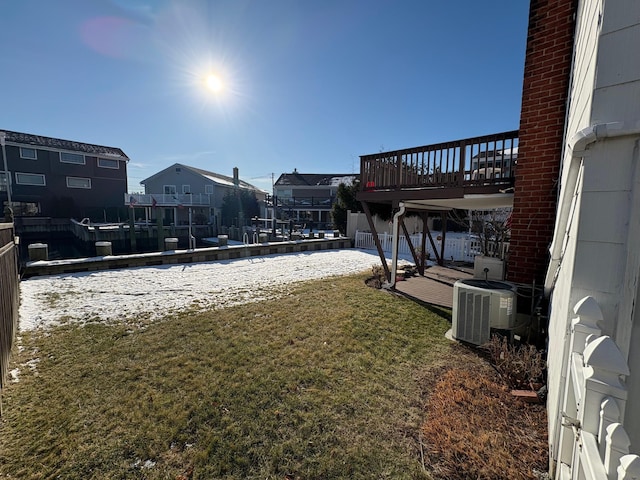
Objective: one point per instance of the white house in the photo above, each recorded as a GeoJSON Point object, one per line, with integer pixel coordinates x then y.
{"type": "Point", "coordinates": [594, 272]}
{"type": "Point", "coordinates": [178, 189]}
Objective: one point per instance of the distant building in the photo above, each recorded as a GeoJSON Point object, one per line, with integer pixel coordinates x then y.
{"type": "Point", "coordinates": [308, 197]}
{"type": "Point", "coordinates": [174, 191]}
{"type": "Point", "coordinates": [61, 178]}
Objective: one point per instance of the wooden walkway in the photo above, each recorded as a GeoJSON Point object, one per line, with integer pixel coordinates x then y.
{"type": "Point", "coordinates": [436, 287]}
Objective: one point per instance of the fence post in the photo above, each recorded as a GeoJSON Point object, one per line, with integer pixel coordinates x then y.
{"type": "Point", "coordinates": [629, 468]}
{"type": "Point", "coordinates": [603, 366]}
{"type": "Point", "coordinates": [588, 314]}
{"type": "Point", "coordinates": [585, 323]}
{"type": "Point", "coordinates": [609, 414]}
{"type": "Point", "coordinates": [617, 445]}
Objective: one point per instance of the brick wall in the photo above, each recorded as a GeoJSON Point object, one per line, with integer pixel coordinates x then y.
{"type": "Point", "coordinates": [544, 94]}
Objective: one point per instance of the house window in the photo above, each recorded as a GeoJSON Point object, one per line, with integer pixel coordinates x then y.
{"type": "Point", "coordinates": [3, 181]}
{"type": "Point", "coordinates": [186, 188]}
{"type": "Point", "coordinates": [30, 179]}
{"type": "Point", "coordinates": [78, 182]}
{"type": "Point", "coordinates": [66, 157]}
{"type": "Point", "coordinates": [28, 153]}
{"type": "Point", "coordinates": [208, 189]}
{"type": "Point", "coordinates": [108, 163]}
{"type": "Point", "coordinates": [170, 190]}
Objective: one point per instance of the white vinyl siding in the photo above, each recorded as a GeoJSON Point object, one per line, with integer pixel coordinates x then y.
{"type": "Point", "coordinates": [108, 163]}
{"type": "Point", "coordinates": [78, 182]}
{"type": "Point", "coordinates": [66, 157]}
{"type": "Point", "coordinates": [28, 153]}
{"type": "Point", "coordinates": [30, 179]}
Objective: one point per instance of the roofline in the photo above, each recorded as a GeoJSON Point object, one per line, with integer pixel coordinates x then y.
{"type": "Point", "coordinates": [198, 171]}
{"type": "Point", "coordinates": [315, 174]}
{"type": "Point", "coordinates": [71, 145]}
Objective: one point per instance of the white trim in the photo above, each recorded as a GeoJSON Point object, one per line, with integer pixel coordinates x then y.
{"type": "Point", "coordinates": [84, 160]}
{"type": "Point", "coordinates": [78, 186]}
{"type": "Point", "coordinates": [35, 152]}
{"type": "Point", "coordinates": [173, 192]}
{"type": "Point", "coordinates": [208, 189]}
{"type": "Point", "coordinates": [44, 180]}
{"type": "Point", "coordinates": [117, 163]}
{"type": "Point", "coordinates": [187, 189]}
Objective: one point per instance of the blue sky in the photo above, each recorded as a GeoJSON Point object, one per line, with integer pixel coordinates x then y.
{"type": "Point", "coordinates": [308, 84]}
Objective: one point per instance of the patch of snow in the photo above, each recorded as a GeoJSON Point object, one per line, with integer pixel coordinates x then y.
{"type": "Point", "coordinates": [14, 375]}
{"type": "Point", "coordinates": [147, 464]}
{"type": "Point", "coordinates": [155, 292]}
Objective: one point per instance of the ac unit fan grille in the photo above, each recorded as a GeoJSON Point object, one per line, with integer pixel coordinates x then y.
{"type": "Point", "coordinates": [474, 308]}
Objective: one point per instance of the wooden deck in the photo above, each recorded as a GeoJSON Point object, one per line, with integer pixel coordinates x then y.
{"type": "Point", "coordinates": [436, 287]}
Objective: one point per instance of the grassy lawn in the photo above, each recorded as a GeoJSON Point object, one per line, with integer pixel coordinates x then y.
{"type": "Point", "coordinates": [323, 383]}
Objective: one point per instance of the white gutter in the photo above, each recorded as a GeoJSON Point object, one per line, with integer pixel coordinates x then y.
{"type": "Point", "coordinates": [578, 145]}
{"type": "Point", "coordinates": [394, 244]}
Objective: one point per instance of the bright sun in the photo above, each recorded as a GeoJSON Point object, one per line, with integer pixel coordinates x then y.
{"type": "Point", "coordinates": [213, 83]}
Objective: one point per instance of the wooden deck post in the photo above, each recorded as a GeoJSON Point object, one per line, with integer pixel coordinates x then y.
{"type": "Point", "coordinates": [424, 216]}
{"type": "Point", "coordinates": [376, 240]}
{"type": "Point", "coordinates": [444, 216]}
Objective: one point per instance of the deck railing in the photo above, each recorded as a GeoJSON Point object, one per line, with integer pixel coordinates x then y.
{"type": "Point", "coordinates": [301, 203]}
{"type": "Point", "coordinates": [166, 199]}
{"type": "Point", "coordinates": [593, 441]}
{"type": "Point", "coordinates": [487, 160]}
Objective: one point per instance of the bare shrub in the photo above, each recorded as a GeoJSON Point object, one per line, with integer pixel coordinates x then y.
{"type": "Point", "coordinates": [521, 366]}
{"type": "Point", "coordinates": [378, 277]}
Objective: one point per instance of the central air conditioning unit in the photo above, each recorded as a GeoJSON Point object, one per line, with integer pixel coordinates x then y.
{"type": "Point", "coordinates": [482, 305]}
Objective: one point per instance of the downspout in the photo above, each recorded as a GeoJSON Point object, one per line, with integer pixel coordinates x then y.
{"type": "Point", "coordinates": [578, 145]}
{"type": "Point", "coordinates": [394, 245]}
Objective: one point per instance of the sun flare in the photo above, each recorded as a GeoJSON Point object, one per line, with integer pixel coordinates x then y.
{"type": "Point", "coordinates": [213, 83]}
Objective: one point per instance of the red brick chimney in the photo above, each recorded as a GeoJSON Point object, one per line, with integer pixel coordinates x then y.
{"type": "Point", "coordinates": [547, 72]}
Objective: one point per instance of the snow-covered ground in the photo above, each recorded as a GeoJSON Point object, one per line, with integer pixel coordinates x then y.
{"type": "Point", "coordinates": [148, 293]}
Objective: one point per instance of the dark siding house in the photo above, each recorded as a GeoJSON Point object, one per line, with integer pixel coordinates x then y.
{"type": "Point", "coordinates": [62, 178]}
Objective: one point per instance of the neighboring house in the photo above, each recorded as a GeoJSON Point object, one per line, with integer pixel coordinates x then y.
{"type": "Point", "coordinates": [308, 197]}
{"type": "Point", "coordinates": [178, 189]}
{"type": "Point", "coordinates": [62, 178]}
{"type": "Point", "coordinates": [594, 272]}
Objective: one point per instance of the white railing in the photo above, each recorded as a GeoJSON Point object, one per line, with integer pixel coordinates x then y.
{"type": "Point", "coordinates": [593, 442]}
{"type": "Point", "coordinates": [459, 249]}
{"type": "Point", "coordinates": [166, 200]}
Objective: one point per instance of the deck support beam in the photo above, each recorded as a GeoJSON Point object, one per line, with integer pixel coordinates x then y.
{"type": "Point", "coordinates": [433, 244]}
{"type": "Point", "coordinates": [445, 217]}
{"type": "Point", "coordinates": [424, 216]}
{"type": "Point", "coordinates": [376, 240]}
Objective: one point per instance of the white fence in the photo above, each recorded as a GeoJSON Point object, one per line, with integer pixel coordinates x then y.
{"type": "Point", "coordinates": [456, 248]}
{"type": "Point", "coordinates": [593, 442]}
